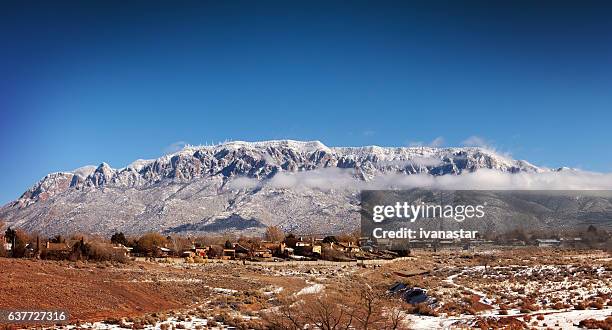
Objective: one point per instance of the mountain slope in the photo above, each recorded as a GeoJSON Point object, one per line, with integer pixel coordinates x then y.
{"type": "Point", "coordinates": [242, 186]}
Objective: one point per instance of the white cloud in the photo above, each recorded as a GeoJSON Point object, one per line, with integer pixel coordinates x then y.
{"type": "Point", "coordinates": [476, 141]}
{"type": "Point", "coordinates": [415, 161]}
{"type": "Point", "coordinates": [425, 161]}
{"type": "Point", "coordinates": [322, 179]}
{"type": "Point", "coordinates": [243, 183]}
{"type": "Point", "coordinates": [483, 179]}
{"type": "Point", "coordinates": [435, 143]}
{"type": "Point", "coordinates": [174, 147]}
{"type": "Point", "coordinates": [85, 171]}
{"type": "Point", "coordinates": [492, 179]}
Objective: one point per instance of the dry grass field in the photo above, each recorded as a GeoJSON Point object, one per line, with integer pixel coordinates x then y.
{"type": "Point", "coordinates": [515, 289]}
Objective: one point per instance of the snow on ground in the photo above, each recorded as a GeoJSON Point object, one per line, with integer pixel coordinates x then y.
{"type": "Point", "coordinates": [313, 288]}
{"type": "Point", "coordinates": [572, 285]}
{"type": "Point", "coordinates": [570, 319]}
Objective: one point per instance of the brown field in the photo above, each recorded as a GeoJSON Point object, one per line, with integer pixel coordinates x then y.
{"type": "Point", "coordinates": [523, 288]}
{"type": "Point", "coordinates": [99, 291]}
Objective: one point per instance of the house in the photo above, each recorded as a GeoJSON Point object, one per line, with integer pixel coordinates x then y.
{"type": "Point", "coordinates": [202, 252]}
{"type": "Point", "coordinates": [57, 246]}
{"type": "Point", "coordinates": [349, 247]}
{"type": "Point", "coordinates": [307, 250]}
{"type": "Point", "coordinates": [163, 251]}
{"type": "Point", "coordinates": [196, 252]}
{"type": "Point", "coordinates": [571, 242]}
{"type": "Point", "coordinates": [7, 246]}
{"type": "Point", "coordinates": [57, 250]}
{"type": "Point", "coordinates": [241, 249]}
{"type": "Point", "coordinates": [188, 253]}
{"type": "Point", "coordinates": [547, 242]}
{"type": "Point", "coordinates": [228, 254]}
{"type": "Point", "coordinates": [121, 249]}
{"type": "Point", "coordinates": [262, 253]}
{"type": "Point", "coordinates": [277, 249]}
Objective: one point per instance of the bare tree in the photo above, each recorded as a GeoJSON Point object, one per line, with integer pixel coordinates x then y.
{"type": "Point", "coordinates": [357, 306]}
{"type": "Point", "coordinates": [287, 315]}
{"type": "Point", "coordinates": [274, 234]}
{"type": "Point", "coordinates": [179, 244]}
{"type": "Point", "coordinates": [328, 312]}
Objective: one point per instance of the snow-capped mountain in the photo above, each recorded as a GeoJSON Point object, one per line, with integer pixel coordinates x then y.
{"type": "Point", "coordinates": [244, 186]}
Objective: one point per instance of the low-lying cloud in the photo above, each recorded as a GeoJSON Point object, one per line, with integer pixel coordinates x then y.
{"type": "Point", "coordinates": [414, 162]}
{"type": "Point", "coordinates": [327, 179]}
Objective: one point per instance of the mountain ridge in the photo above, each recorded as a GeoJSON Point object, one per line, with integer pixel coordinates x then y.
{"type": "Point", "coordinates": [420, 156]}
{"type": "Point", "coordinates": [302, 186]}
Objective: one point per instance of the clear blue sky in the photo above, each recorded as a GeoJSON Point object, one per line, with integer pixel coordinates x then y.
{"type": "Point", "coordinates": [87, 82]}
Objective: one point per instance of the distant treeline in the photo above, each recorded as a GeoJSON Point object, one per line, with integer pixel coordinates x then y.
{"type": "Point", "coordinates": [119, 247]}
{"type": "Point", "coordinates": [588, 237]}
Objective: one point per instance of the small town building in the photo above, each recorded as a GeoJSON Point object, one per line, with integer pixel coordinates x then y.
{"type": "Point", "coordinates": [228, 254]}
{"type": "Point", "coordinates": [188, 253]}
{"type": "Point", "coordinates": [348, 247]}
{"type": "Point", "coordinates": [262, 253]}
{"type": "Point", "coordinates": [277, 249]}
{"type": "Point", "coordinates": [201, 251]}
{"type": "Point", "coordinates": [163, 251]}
{"type": "Point", "coordinates": [547, 242]}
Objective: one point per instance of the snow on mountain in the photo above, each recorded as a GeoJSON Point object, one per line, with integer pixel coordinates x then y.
{"type": "Point", "coordinates": [237, 185]}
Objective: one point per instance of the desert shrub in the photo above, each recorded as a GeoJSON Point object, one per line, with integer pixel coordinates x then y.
{"type": "Point", "coordinates": [597, 324]}
{"type": "Point", "coordinates": [580, 306]}
{"type": "Point", "coordinates": [149, 242]}
{"type": "Point", "coordinates": [113, 321]}
{"type": "Point", "coordinates": [596, 305]}
{"type": "Point", "coordinates": [138, 325]}
{"type": "Point", "coordinates": [331, 254]}
{"type": "Point", "coordinates": [499, 323]}
{"type": "Point", "coordinates": [223, 317]}
{"type": "Point", "coordinates": [470, 311]}
{"type": "Point", "coordinates": [558, 305]}
{"type": "Point", "coordinates": [96, 252]}
{"type": "Point", "coordinates": [451, 308]}
{"type": "Point", "coordinates": [423, 309]}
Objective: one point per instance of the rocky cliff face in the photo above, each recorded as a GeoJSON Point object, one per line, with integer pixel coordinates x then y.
{"type": "Point", "coordinates": [237, 185]}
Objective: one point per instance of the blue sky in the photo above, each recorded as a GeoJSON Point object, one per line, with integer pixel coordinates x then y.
{"type": "Point", "coordinates": [87, 82]}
